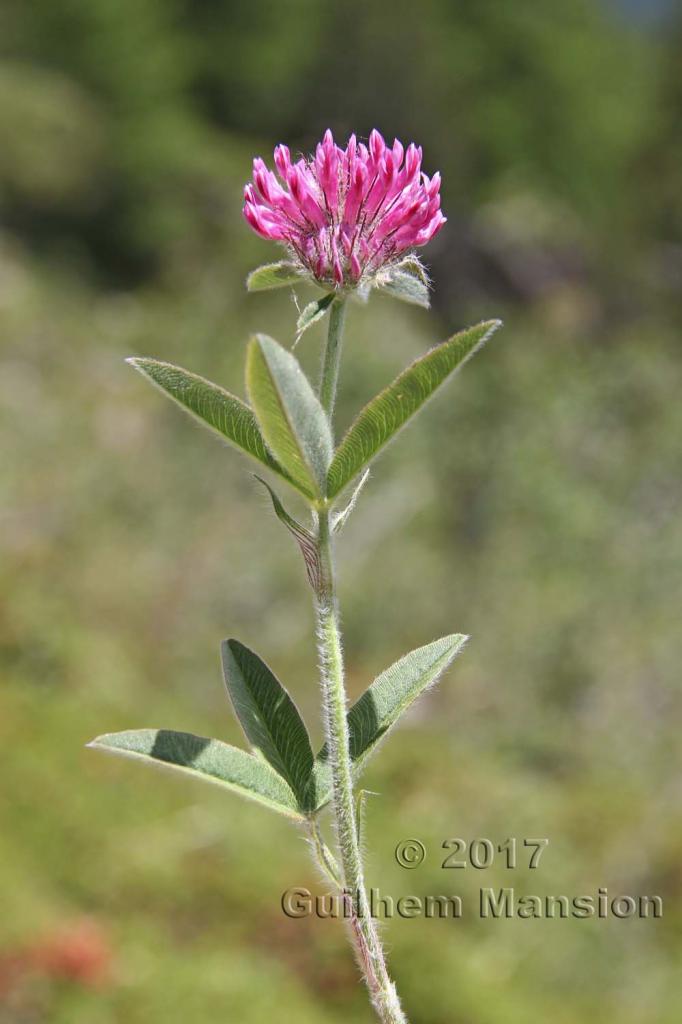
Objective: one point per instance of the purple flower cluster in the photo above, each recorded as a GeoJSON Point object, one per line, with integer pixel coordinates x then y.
{"type": "Point", "coordinates": [345, 213]}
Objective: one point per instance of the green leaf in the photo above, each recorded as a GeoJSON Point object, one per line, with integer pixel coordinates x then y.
{"type": "Point", "coordinates": [293, 422]}
{"type": "Point", "coordinates": [402, 284]}
{"type": "Point", "coordinates": [212, 406]}
{"type": "Point", "coordinates": [207, 759]}
{"type": "Point", "coordinates": [274, 275]}
{"type": "Point", "coordinates": [313, 312]}
{"type": "Point", "coordinates": [395, 690]}
{"type": "Point", "coordinates": [382, 704]}
{"type": "Point", "coordinates": [383, 417]}
{"type": "Point", "coordinates": [303, 537]}
{"type": "Point", "coordinates": [268, 716]}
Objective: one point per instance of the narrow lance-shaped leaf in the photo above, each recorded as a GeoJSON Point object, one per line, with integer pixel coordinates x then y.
{"type": "Point", "coordinates": [382, 704]}
{"type": "Point", "coordinates": [293, 422]}
{"type": "Point", "coordinates": [383, 417]}
{"type": "Point", "coordinates": [214, 407]}
{"type": "Point", "coordinates": [273, 275]}
{"type": "Point", "coordinates": [206, 759]}
{"type": "Point", "coordinates": [313, 312]}
{"type": "Point", "coordinates": [391, 693]}
{"type": "Point", "coordinates": [268, 716]}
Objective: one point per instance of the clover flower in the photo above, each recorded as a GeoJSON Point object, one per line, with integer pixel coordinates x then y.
{"type": "Point", "coordinates": [345, 214]}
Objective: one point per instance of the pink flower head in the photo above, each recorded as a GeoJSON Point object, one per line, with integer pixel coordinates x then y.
{"type": "Point", "coordinates": [345, 213]}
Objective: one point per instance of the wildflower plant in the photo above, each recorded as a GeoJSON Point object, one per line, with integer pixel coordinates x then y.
{"type": "Point", "coordinates": [350, 221]}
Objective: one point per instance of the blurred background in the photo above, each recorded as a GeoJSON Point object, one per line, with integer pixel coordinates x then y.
{"type": "Point", "coordinates": [535, 505]}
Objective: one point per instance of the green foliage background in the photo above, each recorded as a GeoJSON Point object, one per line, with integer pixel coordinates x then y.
{"type": "Point", "coordinates": [534, 505]}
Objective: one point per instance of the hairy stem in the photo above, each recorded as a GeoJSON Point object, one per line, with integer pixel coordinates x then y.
{"type": "Point", "coordinates": [364, 932]}
{"type": "Point", "coordinates": [332, 356]}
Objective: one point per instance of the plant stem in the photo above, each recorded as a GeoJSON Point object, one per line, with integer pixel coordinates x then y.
{"type": "Point", "coordinates": [365, 936]}
{"type": "Point", "coordinates": [332, 356]}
